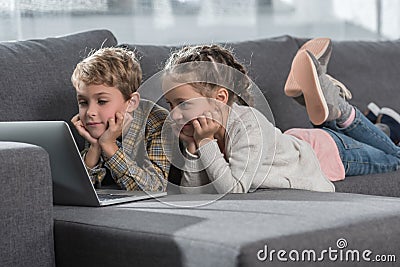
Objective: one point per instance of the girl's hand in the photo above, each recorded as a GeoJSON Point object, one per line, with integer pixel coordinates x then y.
{"type": "Point", "coordinates": [187, 140]}
{"type": "Point", "coordinates": [205, 127]}
{"type": "Point", "coordinates": [190, 143]}
{"type": "Point", "coordinates": [82, 130]}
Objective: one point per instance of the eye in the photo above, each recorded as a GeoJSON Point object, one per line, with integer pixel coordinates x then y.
{"type": "Point", "coordinates": [102, 102]}
{"type": "Point", "coordinates": [82, 102]}
{"type": "Point", "coordinates": [184, 105]}
{"type": "Point", "coordinates": [171, 107]}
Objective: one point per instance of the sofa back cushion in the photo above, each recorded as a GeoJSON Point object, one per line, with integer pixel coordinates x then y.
{"type": "Point", "coordinates": [370, 69]}
{"type": "Point", "coordinates": [35, 75]}
{"type": "Point", "coordinates": [268, 62]}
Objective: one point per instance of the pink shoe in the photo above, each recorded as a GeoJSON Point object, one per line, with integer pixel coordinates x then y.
{"type": "Point", "coordinates": [321, 48]}
{"type": "Point", "coordinates": [325, 97]}
{"type": "Point", "coordinates": [306, 76]}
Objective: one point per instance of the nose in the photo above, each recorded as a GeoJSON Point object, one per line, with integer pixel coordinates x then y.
{"type": "Point", "coordinates": [176, 114]}
{"type": "Point", "coordinates": [91, 110]}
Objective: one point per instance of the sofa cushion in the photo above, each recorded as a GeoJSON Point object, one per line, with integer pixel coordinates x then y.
{"type": "Point", "coordinates": [268, 62]}
{"type": "Point", "coordinates": [26, 209]}
{"type": "Point", "coordinates": [381, 184]}
{"type": "Point", "coordinates": [360, 65]}
{"type": "Point", "coordinates": [228, 232]}
{"type": "Point", "coordinates": [35, 75]}
{"type": "Point", "coordinates": [369, 69]}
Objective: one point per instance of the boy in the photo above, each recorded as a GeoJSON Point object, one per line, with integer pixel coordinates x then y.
{"type": "Point", "coordinates": [106, 84]}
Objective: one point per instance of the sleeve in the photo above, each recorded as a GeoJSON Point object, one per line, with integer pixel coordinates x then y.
{"type": "Point", "coordinates": [236, 174]}
{"type": "Point", "coordinates": [152, 176]}
{"type": "Point", "coordinates": [98, 172]}
{"type": "Point", "coordinates": [194, 178]}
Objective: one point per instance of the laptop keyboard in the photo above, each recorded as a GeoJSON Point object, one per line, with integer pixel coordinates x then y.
{"type": "Point", "coordinates": [103, 197]}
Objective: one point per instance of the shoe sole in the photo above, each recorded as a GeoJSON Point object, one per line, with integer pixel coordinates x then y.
{"type": "Point", "coordinates": [374, 109]}
{"type": "Point", "coordinates": [391, 113]}
{"type": "Point", "coordinates": [394, 129]}
{"type": "Point", "coordinates": [372, 112]}
{"type": "Point", "coordinates": [306, 76]}
{"type": "Point", "coordinates": [317, 47]}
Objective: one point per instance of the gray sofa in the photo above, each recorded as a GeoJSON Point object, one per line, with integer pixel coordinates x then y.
{"type": "Point", "coordinates": [193, 230]}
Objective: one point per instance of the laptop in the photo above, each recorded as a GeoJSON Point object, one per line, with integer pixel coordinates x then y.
{"type": "Point", "coordinates": [71, 182]}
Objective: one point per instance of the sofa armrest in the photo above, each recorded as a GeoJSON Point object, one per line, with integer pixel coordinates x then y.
{"type": "Point", "coordinates": [26, 206]}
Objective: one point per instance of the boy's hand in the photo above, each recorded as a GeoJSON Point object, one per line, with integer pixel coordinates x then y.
{"type": "Point", "coordinates": [205, 127]}
{"type": "Point", "coordinates": [94, 151]}
{"type": "Point", "coordinates": [82, 130]}
{"type": "Point", "coordinates": [108, 139]}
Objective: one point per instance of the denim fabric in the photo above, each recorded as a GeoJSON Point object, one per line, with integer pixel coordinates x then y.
{"type": "Point", "coordinates": [363, 147]}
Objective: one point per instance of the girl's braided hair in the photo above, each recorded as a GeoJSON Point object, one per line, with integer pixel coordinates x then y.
{"type": "Point", "coordinates": [240, 84]}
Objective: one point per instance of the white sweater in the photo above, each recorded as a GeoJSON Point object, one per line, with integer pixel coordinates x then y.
{"type": "Point", "coordinates": [258, 155]}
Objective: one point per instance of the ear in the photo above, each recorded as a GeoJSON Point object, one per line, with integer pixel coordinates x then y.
{"type": "Point", "coordinates": [133, 102]}
{"type": "Point", "coordinates": [222, 95]}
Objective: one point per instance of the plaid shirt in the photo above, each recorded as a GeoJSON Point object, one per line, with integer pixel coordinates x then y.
{"type": "Point", "coordinates": [142, 141]}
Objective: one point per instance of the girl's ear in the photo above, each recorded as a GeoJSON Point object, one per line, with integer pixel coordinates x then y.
{"type": "Point", "coordinates": [133, 102]}
{"type": "Point", "coordinates": [222, 95]}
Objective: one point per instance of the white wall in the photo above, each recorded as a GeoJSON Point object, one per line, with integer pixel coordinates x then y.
{"type": "Point", "coordinates": [210, 21]}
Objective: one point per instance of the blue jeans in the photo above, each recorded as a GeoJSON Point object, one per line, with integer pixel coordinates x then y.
{"type": "Point", "coordinates": [363, 147]}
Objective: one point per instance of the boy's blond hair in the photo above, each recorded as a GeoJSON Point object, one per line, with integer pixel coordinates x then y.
{"type": "Point", "coordinates": [111, 66]}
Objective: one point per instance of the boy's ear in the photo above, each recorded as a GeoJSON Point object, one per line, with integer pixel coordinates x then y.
{"type": "Point", "coordinates": [222, 95]}
{"type": "Point", "coordinates": [133, 102]}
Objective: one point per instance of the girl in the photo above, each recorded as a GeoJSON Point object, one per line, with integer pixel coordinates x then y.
{"type": "Point", "coordinates": [231, 147]}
